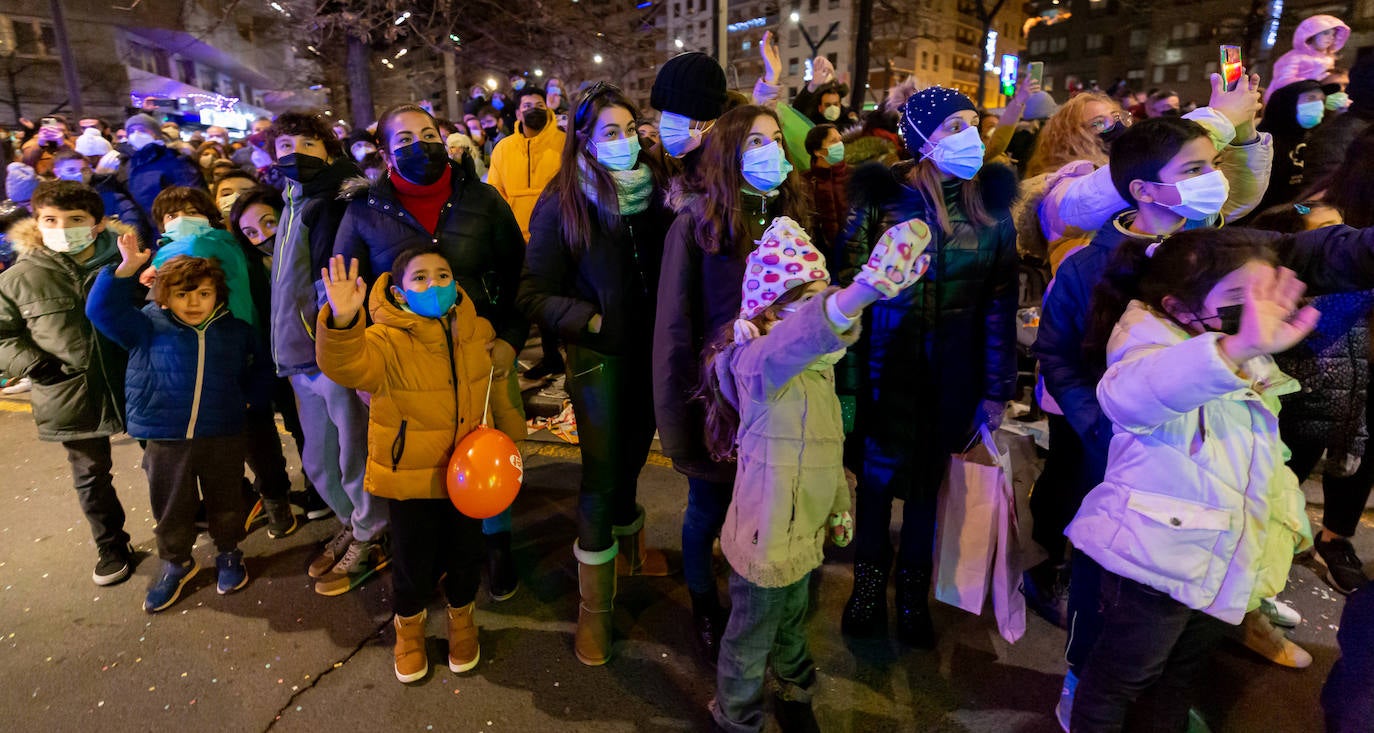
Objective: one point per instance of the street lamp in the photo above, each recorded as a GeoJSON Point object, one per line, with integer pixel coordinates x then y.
{"type": "Point", "coordinates": [491, 83]}
{"type": "Point", "coordinates": [538, 72]}
{"type": "Point", "coordinates": [795, 17]}
{"type": "Point", "coordinates": [678, 42]}
{"type": "Point", "coordinates": [597, 59]}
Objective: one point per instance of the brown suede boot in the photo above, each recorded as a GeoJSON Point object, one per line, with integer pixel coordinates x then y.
{"type": "Point", "coordinates": [596, 585]}
{"type": "Point", "coordinates": [635, 557]}
{"type": "Point", "coordinates": [411, 662]}
{"type": "Point", "coordinates": [463, 652]}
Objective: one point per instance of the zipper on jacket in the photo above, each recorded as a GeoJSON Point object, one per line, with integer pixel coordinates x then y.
{"type": "Point", "coordinates": [398, 446]}
{"type": "Point", "coordinates": [634, 252]}
{"type": "Point", "coordinates": [453, 377]}
{"type": "Point", "coordinates": [200, 382]}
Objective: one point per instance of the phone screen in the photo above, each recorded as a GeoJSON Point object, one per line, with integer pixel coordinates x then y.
{"type": "Point", "coordinates": [1037, 72]}
{"type": "Point", "coordinates": [1009, 66]}
{"type": "Point", "coordinates": [1230, 67]}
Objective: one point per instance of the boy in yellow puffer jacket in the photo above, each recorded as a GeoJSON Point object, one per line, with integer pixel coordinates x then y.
{"type": "Point", "coordinates": [425, 362]}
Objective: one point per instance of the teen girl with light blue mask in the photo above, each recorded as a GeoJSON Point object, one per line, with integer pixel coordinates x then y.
{"type": "Point", "coordinates": [591, 276]}
{"type": "Point", "coordinates": [939, 360]}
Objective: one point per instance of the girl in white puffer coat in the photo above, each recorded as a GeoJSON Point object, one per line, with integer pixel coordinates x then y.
{"type": "Point", "coordinates": [1197, 518]}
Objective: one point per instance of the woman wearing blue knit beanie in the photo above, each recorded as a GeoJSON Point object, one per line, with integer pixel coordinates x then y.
{"type": "Point", "coordinates": [938, 361]}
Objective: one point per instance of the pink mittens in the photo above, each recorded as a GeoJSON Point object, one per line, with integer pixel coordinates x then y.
{"type": "Point", "coordinates": [898, 259]}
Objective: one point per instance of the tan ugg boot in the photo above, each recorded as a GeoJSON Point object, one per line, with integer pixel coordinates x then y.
{"type": "Point", "coordinates": [411, 661]}
{"type": "Point", "coordinates": [463, 652]}
{"type": "Point", "coordinates": [596, 586]}
{"type": "Point", "coordinates": [635, 557]}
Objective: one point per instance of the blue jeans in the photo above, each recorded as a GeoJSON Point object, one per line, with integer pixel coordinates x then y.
{"type": "Point", "coordinates": [1141, 670]}
{"type": "Point", "coordinates": [765, 624]}
{"type": "Point", "coordinates": [706, 505]}
{"type": "Point", "coordinates": [334, 420]}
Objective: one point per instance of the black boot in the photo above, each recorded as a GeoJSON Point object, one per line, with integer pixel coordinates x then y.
{"type": "Point", "coordinates": [865, 614]}
{"type": "Point", "coordinates": [502, 580]}
{"type": "Point", "coordinates": [709, 620]}
{"type": "Point", "coordinates": [914, 626]}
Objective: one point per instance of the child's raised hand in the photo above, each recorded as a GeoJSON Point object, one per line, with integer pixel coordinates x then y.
{"type": "Point", "coordinates": [133, 254]}
{"type": "Point", "coordinates": [1270, 321]}
{"type": "Point", "coordinates": [897, 261]}
{"type": "Point", "coordinates": [346, 291]}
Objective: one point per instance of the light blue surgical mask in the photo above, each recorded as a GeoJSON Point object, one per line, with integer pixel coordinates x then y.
{"type": "Point", "coordinates": [834, 154]}
{"type": "Point", "coordinates": [678, 136]}
{"type": "Point", "coordinates": [432, 302]}
{"type": "Point", "coordinates": [1310, 114]}
{"type": "Point", "coordinates": [618, 155]}
{"type": "Point", "coordinates": [765, 167]}
{"type": "Point", "coordinates": [187, 227]}
{"type": "Point", "coordinates": [959, 155]}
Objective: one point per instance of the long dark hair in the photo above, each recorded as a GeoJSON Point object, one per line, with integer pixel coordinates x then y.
{"type": "Point", "coordinates": [722, 419]}
{"type": "Point", "coordinates": [1185, 266]}
{"type": "Point", "coordinates": [579, 162]}
{"type": "Point", "coordinates": [719, 180]}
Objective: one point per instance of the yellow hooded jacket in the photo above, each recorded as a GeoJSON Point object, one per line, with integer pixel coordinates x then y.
{"type": "Point", "coordinates": [522, 166]}
{"type": "Point", "coordinates": [409, 363]}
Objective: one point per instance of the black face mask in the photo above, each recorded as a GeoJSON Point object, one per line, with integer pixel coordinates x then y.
{"type": "Point", "coordinates": [490, 132]}
{"type": "Point", "coordinates": [421, 162]}
{"type": "Point", "coordinates": [266, 246]}
{"type": "Point", "coordinates": [1113, 132]}
{"type": "Point", "coordinates": [1229, 315]}
{"type": "Point", "coordinates": [536, 118]}
{"type": "Point", "coordinates": [301, 168]}
{"type": "Point", "coordinates": [1170, 112]}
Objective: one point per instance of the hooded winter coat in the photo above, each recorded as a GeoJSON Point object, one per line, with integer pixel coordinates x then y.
{"type": "Point", "coordinates": [791, 447]}
{"type": "Point", "coordinates": [304, 242]}
{"type": "Point", "coordinates": [428, 380]}
{"type": "Point", "coordinates": [1304, 61]}
{"type": "Point", "coordinates": [1197, 502]}
{"type": "Point", "coordinates": [1288, 176]}
{"type": "Point", "coordinates": [1326, 151]}
{"type": "Point", "coordinates": [78, 374]}
{"type": "Point", "coordinates": [933, 353]}
{"type": "Point", "coordinates": [183, 382]}
{"type": "Point", "coordinates": [476, 234]}
{"type": "Point", "coordinates": [154, 167]}
{"type": "Point", "coordinates": [522, 166]}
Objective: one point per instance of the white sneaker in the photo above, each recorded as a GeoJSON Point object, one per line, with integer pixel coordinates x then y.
{"type": "Point", "coordinates": [19, 387]}
{"type": "Point", "coordinates": [1280, 613]}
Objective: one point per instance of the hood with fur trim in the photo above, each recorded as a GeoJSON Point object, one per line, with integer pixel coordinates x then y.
{"type": "Point", "coordinates": [24, 236]}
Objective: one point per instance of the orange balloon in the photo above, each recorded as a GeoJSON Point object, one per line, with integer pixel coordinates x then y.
{"type": "Point", "coordinates": [485, 473]}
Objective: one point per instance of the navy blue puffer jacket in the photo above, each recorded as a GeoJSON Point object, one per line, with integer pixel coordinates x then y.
{"type": "Point", "coordinates": [183, 382]}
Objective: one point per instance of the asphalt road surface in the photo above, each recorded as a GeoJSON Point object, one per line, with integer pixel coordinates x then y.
{"type": "Point", "coordinates": [276, 656]}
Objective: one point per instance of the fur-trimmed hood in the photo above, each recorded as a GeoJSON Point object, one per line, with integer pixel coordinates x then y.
{"type": "Point", "coordinates": [679, 197]}
{"type": "Point", "coordinates": [24, 236]}
{"type": "Point", "coordinates": [876, 183]}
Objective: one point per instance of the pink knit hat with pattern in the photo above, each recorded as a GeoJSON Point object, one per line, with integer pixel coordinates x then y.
{"type": "Point", "coordinates": [784, 259]}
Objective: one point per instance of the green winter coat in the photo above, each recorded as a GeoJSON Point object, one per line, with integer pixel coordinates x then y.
{"type": "Point", "coordinates": [78, 375]}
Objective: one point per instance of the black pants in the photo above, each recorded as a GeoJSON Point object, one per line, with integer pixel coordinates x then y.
{"type": "Point", "coordinates": [430, 537]}
{"type": "Point", "coordinates": [1143, 667]}
{"type": "Point", "coordinates": [1085, 611]}
{"type": "Point", "coordinates": [548, 343]}
{"type": "Point", "coordinates": [1060, 489]}
{"type": "Point", "coordinates": [264, 456]}
{"type": "Point", "coordinates": [612, 397]}
{"type": "Point", "coordinates": [91, 463]}
{"type": "Point", "coordinates": [873, 521]}
{"type": "Point", "coordinates": [1343, 497]}
{"type": "Point", "coordinates": [183, 472]}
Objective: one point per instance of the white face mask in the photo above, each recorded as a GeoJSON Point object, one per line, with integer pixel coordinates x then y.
{"type": "Point", "coordinates": [831, 113]}
{"type": "Point", "coordinates": [70, 240]}
{"type": "Point", "coordinates": [226, 204]}
{"type": "Point", "coordinates": [140, 140]}
{"type": "Point", "coordinates": [1200, 197]}
{"type": "Point", "coordinates": [677, 134]}
{"type": "Point", "coordinates": [218, 139]}
{"type": "Point", "coordinates": [959, 155]}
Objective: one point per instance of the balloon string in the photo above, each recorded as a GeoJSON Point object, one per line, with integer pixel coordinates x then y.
{"type": "Point", "coordinates": [486, 409]}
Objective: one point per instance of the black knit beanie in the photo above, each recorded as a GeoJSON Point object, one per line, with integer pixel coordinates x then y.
{"type": "Point", "coordinates": [692, 85]}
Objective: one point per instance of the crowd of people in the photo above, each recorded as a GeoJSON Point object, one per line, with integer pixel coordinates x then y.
{"type": "Point", "coordinates": [805, 303]}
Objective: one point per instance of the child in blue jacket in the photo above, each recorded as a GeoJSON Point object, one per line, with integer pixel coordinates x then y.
{"type": "Point", "coordinates": [192, 373]}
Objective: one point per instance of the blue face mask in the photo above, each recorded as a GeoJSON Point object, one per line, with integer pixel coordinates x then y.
{"type": "Point", "coordinates": [618, 155]}
{"type": "Point", "coordinates": [187, 227]}
{"type": "Point", "coordinates": [765, 167]}
{"type": "Point", "coordinates": [1310, 114]}
{"type": "Point", "coordinates": [433, 302]}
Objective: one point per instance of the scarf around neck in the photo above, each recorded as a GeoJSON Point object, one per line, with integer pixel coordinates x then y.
{"type": "Point", "coordinates": [632, 188]}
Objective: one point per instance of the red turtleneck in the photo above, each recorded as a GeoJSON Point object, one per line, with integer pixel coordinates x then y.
{"type": "Point", "coordinates": [424, 202]}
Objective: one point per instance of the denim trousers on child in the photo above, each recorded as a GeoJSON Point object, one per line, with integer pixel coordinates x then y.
{"type": "Point", "coordinates": [1141, 671]}
{"type": "Point", "coordinates": [766, 624]}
